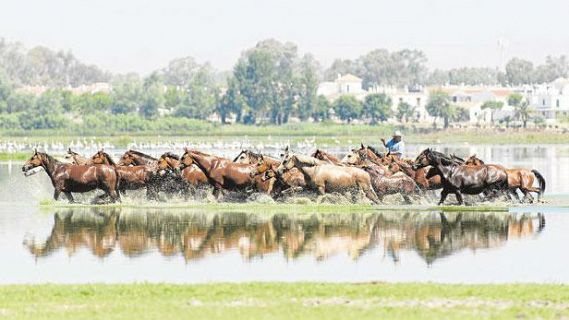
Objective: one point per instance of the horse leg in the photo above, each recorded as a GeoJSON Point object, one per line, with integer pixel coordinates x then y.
{"type": "Point", "coordinates": [56, 194]}
{"type": "Point", "coordinates": [370, 194]}
{"type": "Point", "coordinates": [406, 198]}
{"type": "Point", "coordinates": [444, 195]}
{"type": "Point", "coordinates": [69, 197]}
{"type": "Point", "coordinates": [527, 195]}
{"type": "Point", "coordinates": [459, 197]}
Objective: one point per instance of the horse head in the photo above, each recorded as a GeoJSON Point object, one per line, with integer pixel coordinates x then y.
{"type": "Point", "coordinates": [38, 159]}
{"type": "Point", "coordinates": [354, 157]}
{"type": "Point", "coordinates": [127, 159]}
{"type": "Point", "coordinates": [186, 160]}
{"type": "Point", "coordinates": [243, 157]}
{"type": "Point", "coordinates": [423, 159]}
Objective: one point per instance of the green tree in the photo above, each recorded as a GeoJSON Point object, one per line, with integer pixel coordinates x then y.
{"type": "Point", "coordinates": [230, 102]}
{"type": "Point", "coordinates": [265, 78]}
{"type": "Point", "coordinates": [152, 97]}
{"type": "Point", "coordinates": [493, 106]}
{"type": "Point", "coordinates": [523, 112]}
{"type": "Point", "coordinates": [347, 107]}
{"type": "Point", "coordinates": [308, 84]}
{"type": "Point", "coordinates": [127, 94]}
{"type": "Point", "coordinates": [377, 106]}
{"type": "Point", "coordinates": [322, 110]}
{"type": "Point", "coordinates": [515, 99]}
{"type": "Point", "coordinates": [439, 106]}
{"type": "Point", "coordinates": [519, 71]}
{"type": "Point", "coordinates": [404, 111]}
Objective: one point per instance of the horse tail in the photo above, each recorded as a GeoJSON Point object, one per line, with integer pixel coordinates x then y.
{"type": "Point", "coordinates": [541, 180]}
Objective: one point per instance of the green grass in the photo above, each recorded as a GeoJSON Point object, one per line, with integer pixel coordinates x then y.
{"type": "Point", "coordinates": [322, 133]}
{"type": "Point", "coordinates": [20, 156]}
{"type": "Point", "coordinates": [283, 301]}
{"type": "Point", "coordinates": [277, 207]}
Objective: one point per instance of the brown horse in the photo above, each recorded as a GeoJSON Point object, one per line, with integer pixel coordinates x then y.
{"type": "Point", "coordinates": [324, 177]}
{"type": "Point", "coordinates": [291, 180]}
{"type": "Point", "coordinates": [221, 173]}
{"type": "Point", "coordinates": [327, 157]}
{"type": "Point", "coordinates": [192, 176]}
{"type": "Point", "coordinates": [383, 181]}
{"type": "Point", "coordinates": [131, 177]}
{"type": "Point", "coordinates": [136, 158]}
{"type": "Point", "coordinates": [459, 179]}
{"type": "Point", "coordinates": [68, 178]}
{"type": "Point", "coordinates": [76, 158]}
{"type": "Point", "coordinates": [419, 175]}
{"type": "Point", "coordinates": [522, 179]}
{"type": "Point", "coordinates": [395, 184]}
{"type": "Point", "coordinates": [362, 157]}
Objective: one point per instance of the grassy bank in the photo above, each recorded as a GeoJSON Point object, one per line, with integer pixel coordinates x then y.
{"type": "Point", "coordinates": [323, 133]}
{"type": "Point", "coordinates": [301, 205]}
{"type": "Point", "coordinates": [283, 301]}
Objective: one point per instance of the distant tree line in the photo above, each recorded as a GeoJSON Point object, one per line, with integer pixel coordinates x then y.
{"type": "Point", "coordinates": [270, 83]}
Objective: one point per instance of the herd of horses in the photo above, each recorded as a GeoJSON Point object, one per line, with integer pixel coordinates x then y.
{"type": "Point", "coordinates": [363, 171]}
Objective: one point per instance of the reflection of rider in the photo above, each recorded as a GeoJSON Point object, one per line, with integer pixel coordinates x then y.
{"type": "Point", "coordinates": [395, 146]}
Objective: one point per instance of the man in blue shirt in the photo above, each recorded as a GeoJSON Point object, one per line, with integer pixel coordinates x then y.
{"type": "Point", "coordinates": [395, 146]}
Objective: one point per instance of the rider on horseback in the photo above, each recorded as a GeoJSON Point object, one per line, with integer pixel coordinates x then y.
{"type": "Point", "coordinates": [395, 146]}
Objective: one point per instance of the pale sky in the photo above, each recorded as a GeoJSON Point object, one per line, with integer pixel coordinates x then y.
{"type": "Point", "coordinates": [142, 35]}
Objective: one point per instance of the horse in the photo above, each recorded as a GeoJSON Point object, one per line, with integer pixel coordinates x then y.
{"type": "Point", "coordinates": [325, 177]}
{"type": "Point", "coordinates": [361, 157]}
{"type": "Point", "coordinates": [192, 176]}
{"type": "Point", "coordinates": [327, 157]}
{"type": "Point", "coordinates": [522, 179]}
{"type": "Point", "coordinates": [131, 177]}
{"type": "Point", "coordinates": [290, 180]}
{"type": "Point", "coordinates": [383, 181]}
{"type": "Point", "coordinates": [419, 175]}
{"type": "Point", "coordinates": [68, 178]}
{"type": "Point", "coordinates": [459, 179]}
{"type": "Point", "coordinates": [76, 158]}
{"type": "Point", "coordinates": [221, 173]}
{"type": "Point", "coordinates": [136, 158]}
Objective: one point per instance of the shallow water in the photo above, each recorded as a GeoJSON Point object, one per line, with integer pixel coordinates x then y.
{"type": "Point", "coordinates": [82, 244]}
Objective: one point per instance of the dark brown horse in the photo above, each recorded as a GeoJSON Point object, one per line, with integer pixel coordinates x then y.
{"type": "Point", "coordinates": [522, 179]}
{"type": "Point", "coordinates": [459, 179]}
{"type": "Point", "coordinates": [68, 178]}
{"type": "Point", "coordinates": [131, 177]}
{"type": "Point", "coordinates": [221, 173]}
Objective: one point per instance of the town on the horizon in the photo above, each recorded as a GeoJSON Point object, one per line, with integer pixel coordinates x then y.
{"type": "Point", "coordinates": [272, 83]}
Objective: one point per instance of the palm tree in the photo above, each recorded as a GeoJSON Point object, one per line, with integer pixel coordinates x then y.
{"type": "Point", "coordinates": [523, 112]}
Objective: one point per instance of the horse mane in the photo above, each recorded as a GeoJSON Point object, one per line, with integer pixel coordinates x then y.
{"type": "Point", "coordinates": [307, 160]}
{"type": "Point", "coordinates": [171, 155]}
{"type": "Point", "coordinates": [49, 158]}
{"type": "Point", "coordinates": [375, 151]}
{"type": "Point", "coordinates": [109, 159]}
{"type": "Point", "coordinates": [144, 155]}
{"type": "Point", "coordinates": [474, 157]}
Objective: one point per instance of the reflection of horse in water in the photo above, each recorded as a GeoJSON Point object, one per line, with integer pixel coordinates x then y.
{"type": "Point", "coordinates": [437, 237]}
{"type": "Point", "coordinates": [196, 235]}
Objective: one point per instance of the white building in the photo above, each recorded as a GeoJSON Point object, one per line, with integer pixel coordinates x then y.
{"type": "Point", "coordinates": [347, 84]}
{"type": "Point", "coordinates": [551, 100]}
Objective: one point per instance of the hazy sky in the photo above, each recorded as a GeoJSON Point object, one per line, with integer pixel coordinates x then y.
{"type": "Point", "coordinates": [140, 35]}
